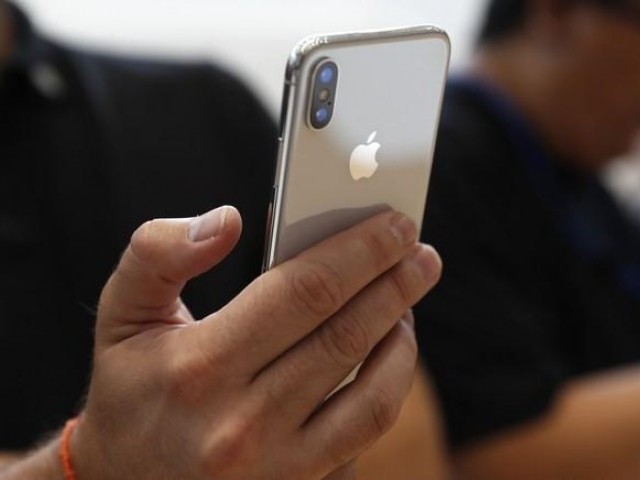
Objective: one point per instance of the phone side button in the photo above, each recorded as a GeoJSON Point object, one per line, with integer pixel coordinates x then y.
{"type": "Point", "coordinates": [269, 229]}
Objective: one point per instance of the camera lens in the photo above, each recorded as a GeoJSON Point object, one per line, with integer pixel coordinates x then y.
{"type": "Point", "coordinates": [322, 114]}
{"type": "Point", "coordinates": [326, 75]}
{"type": "Point", "coordinates": [323, 94]}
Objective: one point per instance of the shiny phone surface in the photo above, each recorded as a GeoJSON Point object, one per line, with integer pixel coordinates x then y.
{"type": "Point", "coordinates": [359, 121]}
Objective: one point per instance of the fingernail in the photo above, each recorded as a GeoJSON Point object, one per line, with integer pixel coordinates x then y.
{"type": "Point", "coordinates": [404, 229]}
{"type": "Point", "coordinates": [208, 225]}
{"type": "Point", "coordinates": [423, 259]}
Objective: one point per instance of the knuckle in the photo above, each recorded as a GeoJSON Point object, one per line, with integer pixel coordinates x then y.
{"type": "Point", "coordinates": [380, 251]}
{"type": "Point", "coordinates": [401, 287]}
{"type": "Point", "coordinates": [188, 379]}
{"type": "Point", "coordinates": [350, 441]}
{"type": "Point", "coordinates": [345, 341]}
{"type": "Point", "coordinates": [316, 289]}
{"type": "Point", "coordinates": [383, 411]}
{"type": "Point", "coordinates": [376, 416]}
{"type": "Point", "coordinates": [233, 444]}
{"type": "Point", "coordinates": [148, 247]}
{"type": "Point", "coordinates": [142, 245]}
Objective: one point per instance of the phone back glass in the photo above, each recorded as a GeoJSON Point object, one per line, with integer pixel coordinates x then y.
{"type": "Point", "coordinates": [390, 84]}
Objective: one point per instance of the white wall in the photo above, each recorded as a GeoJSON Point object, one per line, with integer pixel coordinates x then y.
{"type": "Point", "coordinates": [251, 36]}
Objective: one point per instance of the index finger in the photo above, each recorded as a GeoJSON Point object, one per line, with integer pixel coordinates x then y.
{"type": "Point", "coordinates": [290, 301]}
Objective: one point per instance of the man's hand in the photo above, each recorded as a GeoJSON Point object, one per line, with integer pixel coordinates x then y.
{"type": "Point", "coordinates": [241, 394]}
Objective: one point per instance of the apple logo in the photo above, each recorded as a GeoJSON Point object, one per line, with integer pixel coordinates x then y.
{"type": "Point", "coordinates": [362, 163]}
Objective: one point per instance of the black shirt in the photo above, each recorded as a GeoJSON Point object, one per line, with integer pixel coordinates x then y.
{"type": "Point", "coordinates": [540, 280]}
{"type": "Point", "coordinates": [90, 147]}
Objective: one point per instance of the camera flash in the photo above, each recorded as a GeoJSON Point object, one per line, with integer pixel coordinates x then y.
{"type": "Point", "coordinates": [324, 95]}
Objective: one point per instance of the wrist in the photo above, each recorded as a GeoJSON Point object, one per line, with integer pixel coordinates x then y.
{"type": "Point", "coordinates": [44, 464]}
{"type": "Point", "coordinates": [85, 454]}
{"type": "Point", "coordinates": [65, 449]}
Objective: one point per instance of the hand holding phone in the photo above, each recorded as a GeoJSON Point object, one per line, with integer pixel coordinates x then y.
{"type": "Point", "coordinates": [359, 120]}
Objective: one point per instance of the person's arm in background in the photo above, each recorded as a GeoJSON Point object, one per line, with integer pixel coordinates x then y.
{"type": "Point", "coordinates": [415, 447]}
{"type": "Point", "coordinates": [489, 336]}
{"type": "Point", "coordinates": [229, 396]}
{"type": "Point", "coordinates": [591, 433]}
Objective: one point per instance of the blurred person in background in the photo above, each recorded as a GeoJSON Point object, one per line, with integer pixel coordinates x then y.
{"type": "Point", "coordinates": [533, 335]}
{"type": "Point", "coordinates": [92, 146]}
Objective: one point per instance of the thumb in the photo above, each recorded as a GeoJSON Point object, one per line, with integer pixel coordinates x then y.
{"type": "Point", "coordinates": [144, 290]}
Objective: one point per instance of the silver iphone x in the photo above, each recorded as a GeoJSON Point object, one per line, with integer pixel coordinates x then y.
{"type": "Point", "coordinates": [358, 128]}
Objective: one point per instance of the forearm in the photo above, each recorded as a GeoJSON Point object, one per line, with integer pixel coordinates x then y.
{"type": "Point", "coordinates": [8, 458]}
{"type": "Point", "coordinates": [592, 433]}
{"type": "Point", "coordinates": [43, 464]}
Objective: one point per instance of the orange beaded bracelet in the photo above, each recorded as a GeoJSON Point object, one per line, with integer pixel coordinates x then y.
{"type": "Point", "coordinates": [65, 449]}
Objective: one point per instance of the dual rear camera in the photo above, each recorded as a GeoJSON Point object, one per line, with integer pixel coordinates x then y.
{"type": "Point", "coordinates": [325, 81]}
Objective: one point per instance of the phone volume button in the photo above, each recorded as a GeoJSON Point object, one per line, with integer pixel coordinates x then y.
{"type": "Point", "coordinates": [279, 161]}
{"type": "Point", "coordinates": [269, 230]}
